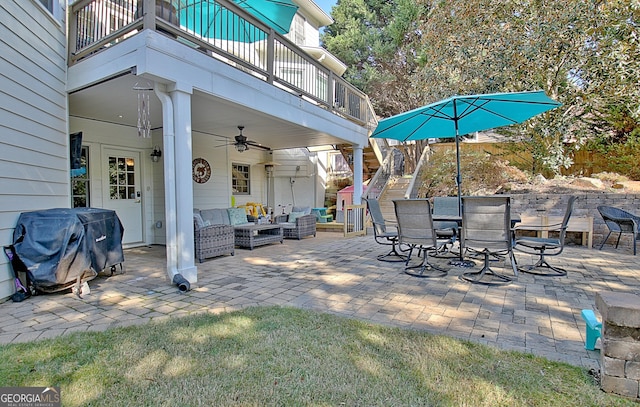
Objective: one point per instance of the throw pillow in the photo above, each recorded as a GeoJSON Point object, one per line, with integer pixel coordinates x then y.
{"type": "Point", "coordinates": [237, 216]}
{"type": "Point", "coordinates": [294, 215]}
{"type": "Point", "coordinates": [198, 219]}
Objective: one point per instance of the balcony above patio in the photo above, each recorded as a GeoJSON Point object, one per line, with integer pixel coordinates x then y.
{"type": "Point", "coordinates": [234, 37]}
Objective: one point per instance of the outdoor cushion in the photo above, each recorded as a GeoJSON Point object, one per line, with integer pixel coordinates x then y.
{"type": "Point", "coordinates": [294, 215]}
{"type": "Point", "coordinates": [288, 225]}
{"type": "Point", "coordinates": [306, 210]}
{"type": "Point", "coordinates": [237, 216]}
{"type": "Point", "coordinates": [216, 216]}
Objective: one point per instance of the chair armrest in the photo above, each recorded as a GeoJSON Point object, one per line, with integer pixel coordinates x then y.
{"type": "Point", "coordinates": [551, 227]}
{"type": "Point", "coordinates": [305, 220]}
{"type": "Point", "coordinates": [214, 230]}
{"type": "Point", "coordinates": [281, 218]}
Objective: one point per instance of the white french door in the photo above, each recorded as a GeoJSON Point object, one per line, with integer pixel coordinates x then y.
{"type": "Point", "coordinates": [122, 191]}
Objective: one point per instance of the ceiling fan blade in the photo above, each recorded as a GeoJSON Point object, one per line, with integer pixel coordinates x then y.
{"type": "Point", "coordinates": [256, 145]}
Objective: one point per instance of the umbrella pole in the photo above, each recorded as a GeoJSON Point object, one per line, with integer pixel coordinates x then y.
{"type": "Point", "coordinates": [458, 175]}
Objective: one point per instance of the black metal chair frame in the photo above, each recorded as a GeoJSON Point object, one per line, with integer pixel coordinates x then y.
{"type": "Point", "coordinates": [540, 246]}
{"type": "Point", "coordinates": [477, 238]}
{"type": "Point", "coordinates": [620, 221]}
{"type": "Point", "coordinates": [416, 230]}
{"type": "Point", "coordinates": [382, 235]}
{"type": "Point", "coordinates": [446, 229]}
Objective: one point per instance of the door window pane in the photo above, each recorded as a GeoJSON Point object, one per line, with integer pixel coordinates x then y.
{"type": "Point", "coordinates": [122, 178]}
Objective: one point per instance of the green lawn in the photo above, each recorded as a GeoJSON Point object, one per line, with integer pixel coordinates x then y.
{"type": "Point", "coordinates": [289, 357]}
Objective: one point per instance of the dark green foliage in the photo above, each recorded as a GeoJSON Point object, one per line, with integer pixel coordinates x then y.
{"type": "Point", "coordinates": [585, 54]}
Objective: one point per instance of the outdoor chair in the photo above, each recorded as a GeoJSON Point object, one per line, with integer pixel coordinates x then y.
{"type": "Point", "coordinates": [546, 246]}
{"type": "Point", "coordinates": [415, 229]}
{"type": "Point", "coordinates": [486, 230]}
{"type": "Point", "coordinates": [620, 221]}
{"type": "Point", "coordinates": [447, 206]}
{"type": "Point", "coordinates": [296, 225]}
{"type": "Point", "coordinates": [384, 234]}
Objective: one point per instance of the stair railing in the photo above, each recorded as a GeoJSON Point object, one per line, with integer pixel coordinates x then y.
{"type": "Point", "coordinates": [392, 165]}
{"type": "Point", "coordinates": [414, 185]}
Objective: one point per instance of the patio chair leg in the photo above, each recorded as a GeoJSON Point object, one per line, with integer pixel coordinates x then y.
{"type": "Point", "coordinates": [618, 241]}
{"type": "Point", "coordinates": [478, 277]}
{"type": "Point", "coordinates": [445, 252]}
{"type": "Point", "coordinates": [514, 263]}
{"type": "Point", "coordinates": [604, 241]}
{"type": "Point", "coordinates": [542, 264]}
{"type": "Point", "coordinates": [424, 269]}
{"type": "Point", "coordinates": [393, 256]}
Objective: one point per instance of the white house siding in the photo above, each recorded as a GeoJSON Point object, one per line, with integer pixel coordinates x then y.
{"type": "Point", "coordinates": [295, 180]}
{"type": "Point", "coordinates": [34, 169]}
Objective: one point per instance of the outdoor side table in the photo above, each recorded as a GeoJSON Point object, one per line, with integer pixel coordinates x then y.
{"type": "Point", "coordinates": [251, 236]}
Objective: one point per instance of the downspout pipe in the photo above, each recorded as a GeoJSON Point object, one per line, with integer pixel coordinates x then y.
{"type": "Point", "coordinates": [170, 204]}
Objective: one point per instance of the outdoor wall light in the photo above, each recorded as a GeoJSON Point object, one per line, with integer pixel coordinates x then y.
{"type": "Point", "coordinates": [269, 169]}
{"type": "Point", "coordinates": [156, 154]}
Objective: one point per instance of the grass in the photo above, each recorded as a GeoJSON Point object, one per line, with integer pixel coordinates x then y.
{"type": "Point", "coordinates": [289, 357]}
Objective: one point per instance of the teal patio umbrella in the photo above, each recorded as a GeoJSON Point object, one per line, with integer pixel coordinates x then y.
{"type": "Point", "coordinates": [210, 19]}
{"type": "Point", "coordinates": [459, 115]}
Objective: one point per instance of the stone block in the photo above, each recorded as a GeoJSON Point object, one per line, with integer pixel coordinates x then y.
{"type": "Point", "coordinates": [613, 367]}
{"type": "Point", "coordinates": [621, 309]}
{"type": "Point", "coordinates": [620, 349]}
{"type": "Point", "coordinates": [620, 386]}
{"type": "Point", "coordinates": [632, 370]}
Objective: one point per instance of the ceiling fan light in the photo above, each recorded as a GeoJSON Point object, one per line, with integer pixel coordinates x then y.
{"type": "Point", "coordinates": [241, 147]}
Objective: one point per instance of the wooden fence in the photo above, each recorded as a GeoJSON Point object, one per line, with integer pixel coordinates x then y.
{"type": "Point", "coordinates": [585, 163]}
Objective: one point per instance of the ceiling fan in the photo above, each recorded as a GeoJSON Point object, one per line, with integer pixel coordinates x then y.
{"type": "Point", "coordinates": [242, 143]}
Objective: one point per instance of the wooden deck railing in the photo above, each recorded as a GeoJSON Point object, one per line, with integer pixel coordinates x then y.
{"type": "Point", "coordinates": [234, 37]}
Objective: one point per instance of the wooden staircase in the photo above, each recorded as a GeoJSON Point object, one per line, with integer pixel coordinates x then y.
{"type": "Point", "coordinates": [370, 163]}
{"type": "Point", "coordinates": [395, 189]}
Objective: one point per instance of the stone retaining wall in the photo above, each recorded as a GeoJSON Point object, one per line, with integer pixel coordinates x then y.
{"type": "Point", "coordinates": [585, 205]}
{"type": "Point", "coordinates": [620, 353]}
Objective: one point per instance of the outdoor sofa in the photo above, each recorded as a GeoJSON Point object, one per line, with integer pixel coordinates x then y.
{"type": "Point", "coordinates": [219, 230]}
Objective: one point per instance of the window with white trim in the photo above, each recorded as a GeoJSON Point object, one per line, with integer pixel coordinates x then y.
{"type": "Point", "coordinates": [48, 4]}
{"type": "Point", "coordinates": [241, 179]}
{"type": "Point", "coordinates": [298, 29]}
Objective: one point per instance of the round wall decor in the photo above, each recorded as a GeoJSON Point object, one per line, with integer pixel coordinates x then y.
{"type": "Point", "coordinates": [201, 170]}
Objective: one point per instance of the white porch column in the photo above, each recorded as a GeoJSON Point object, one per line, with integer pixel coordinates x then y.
{"type": "Point", "coordinates": [181, 98]}
{"type": "Point", "coordinates": [357, 174]}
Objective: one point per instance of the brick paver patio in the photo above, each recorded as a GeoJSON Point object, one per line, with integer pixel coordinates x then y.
{"type": "Point", "coordinates": [329, 273]}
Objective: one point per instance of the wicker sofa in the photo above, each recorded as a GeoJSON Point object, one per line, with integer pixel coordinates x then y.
{"type": "Point", "coordinates": [297, 224]}
{"type": "Point", "coordinates": [214, 236]}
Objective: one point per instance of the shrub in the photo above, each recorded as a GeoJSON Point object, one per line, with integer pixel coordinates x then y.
{"type": "Point", "coordinates": [481, 172]}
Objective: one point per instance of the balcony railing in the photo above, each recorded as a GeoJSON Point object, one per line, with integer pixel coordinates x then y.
{"type": "Point", "coordinates": [224, 31]}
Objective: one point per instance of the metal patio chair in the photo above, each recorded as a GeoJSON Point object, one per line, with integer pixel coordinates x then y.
{"type": "Point", "coordinates": [384, 234]}
{"type": "Point", "coordinates": [486, 230]}
{"type": "Point", "coordinates": [622, 222]}
{"type": "Point", "coordinates": [546, 246]}
{"type": "Point", "coordinates": [415, 229]}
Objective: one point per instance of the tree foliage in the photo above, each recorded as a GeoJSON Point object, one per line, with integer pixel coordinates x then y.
{"type": "Point", "coordinates": [583, 53]}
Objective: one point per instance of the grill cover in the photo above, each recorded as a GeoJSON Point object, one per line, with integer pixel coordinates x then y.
{"type": "Point", "coordinates": [59, 245]}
